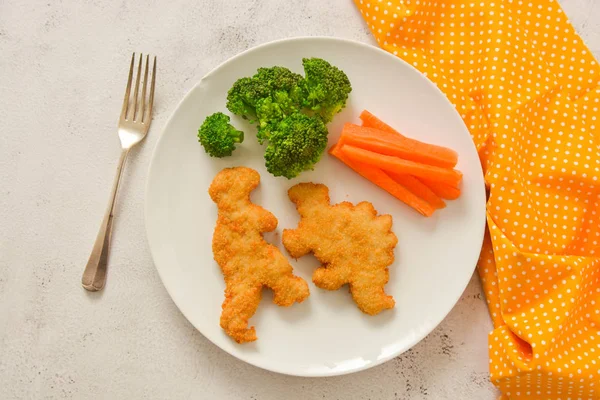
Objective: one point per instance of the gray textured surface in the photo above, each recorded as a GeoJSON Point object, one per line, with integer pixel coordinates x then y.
{"type": "Point", "coordinates": [61, 80]}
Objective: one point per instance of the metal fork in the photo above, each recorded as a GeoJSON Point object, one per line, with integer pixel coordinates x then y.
{"type": "Point", "coordinates": [133, 126]}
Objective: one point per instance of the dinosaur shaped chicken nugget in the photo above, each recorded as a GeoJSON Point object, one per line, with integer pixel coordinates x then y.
{"type": "Point", "coordinates": [353, 244]}
{"type": "Point", "coordinates": [248, 262]}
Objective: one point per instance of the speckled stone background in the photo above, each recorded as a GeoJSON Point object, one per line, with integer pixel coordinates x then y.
{"type": "Point", "coordinates": [62, 71]}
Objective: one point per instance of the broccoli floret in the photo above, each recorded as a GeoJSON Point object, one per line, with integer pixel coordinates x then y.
{"type": "Point", "coordinates": [244, 95]}
{"type": "Point", "coordinates": [295, 145]}
{"type": "Point", "coordinates": [268, 97]}
{"type": "Point", "coordinates": [291, 111]}
{"type": "Point", "coordinates": [218, 136]}
{"type": "Point", "coordinates": [325, 88]}
{"type": "Point", "coordinates": [279, 79]}
{"type": "Point", "coordinates": [269, 114]}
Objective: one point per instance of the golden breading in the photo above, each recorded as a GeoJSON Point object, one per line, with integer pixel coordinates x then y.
{"type": "Point", "coordinates": [353, 244]}
{"type": "Point", "coordinates": [248, 262]}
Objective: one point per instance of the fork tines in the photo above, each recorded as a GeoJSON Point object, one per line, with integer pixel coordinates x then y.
{"type": "Point", "coordinates": [139, 111]}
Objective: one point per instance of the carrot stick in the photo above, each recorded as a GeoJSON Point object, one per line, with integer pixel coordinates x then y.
{"type": "Point", "coordinates": [371, 121]}
{"type": "Point", "coordinates": [403, 167]}
{"type": "Point", "coordinates": [381, 179]}
{"type": "Point", "coordinates": [418, 188]}
{"type": "Point", "coordinates": [444, 191]}
{"type": "Point", "coordinates": [372, 141]}
{"type": "Point", "coordinates": [394, 144]}
{"type": "Point", "coordinates": [441, 190]}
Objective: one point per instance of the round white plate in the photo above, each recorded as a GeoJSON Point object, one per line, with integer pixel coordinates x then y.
{"type": "Point", "coordinates": [326, 334]}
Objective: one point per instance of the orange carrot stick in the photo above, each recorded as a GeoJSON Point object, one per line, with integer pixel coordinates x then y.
{"type": "Point", "coordinates": [418, 188]}
{"type": "Point", "coordinates": [444, 191]}
{"type": "Point", "coordinates": [381, 179]}
{"type": "Point", "coordinates": [441, 190]}
{"type": "Point", "coordinates": [392, 144]}
{"type": "Point", "coordinates": [371, 121]}
{"type": "Point", "coordinates": [403, 167]}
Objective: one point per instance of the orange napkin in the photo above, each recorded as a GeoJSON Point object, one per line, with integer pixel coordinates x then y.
{"type": "Point", "coordinates": [528, 90]}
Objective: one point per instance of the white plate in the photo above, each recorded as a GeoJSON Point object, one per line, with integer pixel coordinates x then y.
{"type": "Point", "coordinates": [326, 334]}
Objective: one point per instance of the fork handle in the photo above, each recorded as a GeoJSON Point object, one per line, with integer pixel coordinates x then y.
{"type": "Point", "coordinates": [94, 276]}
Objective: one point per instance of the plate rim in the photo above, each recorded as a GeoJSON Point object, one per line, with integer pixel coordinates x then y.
{"type": "Point", "coordinates": [410, 343]}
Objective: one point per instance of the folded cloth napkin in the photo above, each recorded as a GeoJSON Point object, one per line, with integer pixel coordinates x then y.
{"type": "Point", "coordinates": [528, 90]}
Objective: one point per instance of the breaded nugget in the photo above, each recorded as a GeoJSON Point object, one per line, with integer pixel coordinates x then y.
{"type": "Point", "coordinates": [353, 244]}
{"type": "Point", "coordinates": [248, 262]}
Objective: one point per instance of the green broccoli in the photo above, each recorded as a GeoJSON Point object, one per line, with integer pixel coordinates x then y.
{"type": "Point", "coordinates": [269, 114]}
{"type": "Point", "coordinates": [291, 111]}
{"type": "Point", "coordinates": [280, 79]}
{"type": "Point", "coordinates": [244, 95]}
{"type": "Point", "coordinates": [218, 136]}
{"type": "Point", "coordinates": [325, 88]}
{"type": "Point", "coordinates": [295, 145]}
{"type": "Point", "coordinates": [268, 97]}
